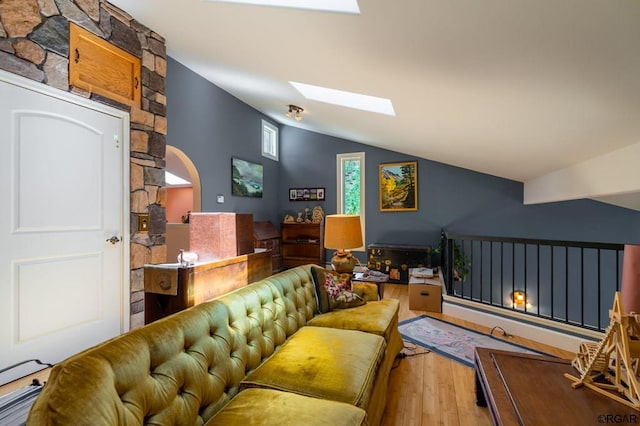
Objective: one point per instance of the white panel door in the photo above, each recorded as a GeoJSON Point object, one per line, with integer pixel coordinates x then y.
{"type": "Point", "coordinates": [61, 280]}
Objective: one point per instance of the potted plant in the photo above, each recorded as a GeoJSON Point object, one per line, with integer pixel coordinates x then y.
{"type": "Point", "coordinates": [461, 262]}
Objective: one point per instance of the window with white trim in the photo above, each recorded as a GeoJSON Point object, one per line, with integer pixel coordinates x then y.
{"type": "Point", "coordinates": [351, 188]}
{"type": "Point", "coordinates": [269, 140]}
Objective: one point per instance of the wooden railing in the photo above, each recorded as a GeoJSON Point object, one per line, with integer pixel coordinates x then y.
{"type": "Point", "coordinates": [563, 281]}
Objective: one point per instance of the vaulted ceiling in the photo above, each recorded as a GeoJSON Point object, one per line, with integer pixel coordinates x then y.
{"type": "Point", "coordinates": [544, 92]}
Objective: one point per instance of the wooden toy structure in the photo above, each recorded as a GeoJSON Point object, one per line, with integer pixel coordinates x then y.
{"type": "Point", "coordinates": [611, 366]}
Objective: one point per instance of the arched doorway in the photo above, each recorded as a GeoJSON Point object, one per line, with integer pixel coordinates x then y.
{"type": "Point", "coordinates": [183, 196]}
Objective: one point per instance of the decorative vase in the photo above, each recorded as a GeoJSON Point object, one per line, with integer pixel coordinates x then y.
{"type": "Point", "coordinates": [343, 262]}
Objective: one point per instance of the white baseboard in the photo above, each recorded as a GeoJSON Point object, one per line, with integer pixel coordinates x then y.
{"type": "Point", "coordinates": [551, 333]}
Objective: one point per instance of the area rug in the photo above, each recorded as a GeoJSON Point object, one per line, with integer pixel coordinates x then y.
{"type": "Point", "coordinates": [451, 340]}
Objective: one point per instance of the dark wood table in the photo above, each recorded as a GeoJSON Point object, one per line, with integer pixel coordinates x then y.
{"type": "Point", "coordinates": [523, 389]}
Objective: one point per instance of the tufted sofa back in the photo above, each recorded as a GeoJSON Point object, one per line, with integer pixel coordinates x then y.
{"type": "Point", "coordinates": [182, 369]}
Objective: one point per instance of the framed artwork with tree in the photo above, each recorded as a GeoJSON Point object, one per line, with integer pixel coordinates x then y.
{"type": "Point", "coordinates": [398, 186]}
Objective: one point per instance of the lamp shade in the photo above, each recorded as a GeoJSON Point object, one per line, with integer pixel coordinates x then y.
{"type": "Point", "coordinates": [342, 232]}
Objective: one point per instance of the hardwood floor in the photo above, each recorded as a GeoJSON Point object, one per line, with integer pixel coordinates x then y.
{"type": "Point", "coordinates": [428, 389]}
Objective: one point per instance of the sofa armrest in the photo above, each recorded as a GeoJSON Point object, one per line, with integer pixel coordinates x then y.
{"type": "Point", "coordinates": [368, 291]}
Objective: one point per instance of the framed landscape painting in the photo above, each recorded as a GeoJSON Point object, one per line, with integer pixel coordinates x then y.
{"type": "Point", "coordinates": [246, 178]}
{"type": "Point", "coordinates": [399, 186]}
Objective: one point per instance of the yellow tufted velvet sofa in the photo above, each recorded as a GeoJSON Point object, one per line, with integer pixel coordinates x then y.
{"type": "Point", "coordinates": [261, 355]}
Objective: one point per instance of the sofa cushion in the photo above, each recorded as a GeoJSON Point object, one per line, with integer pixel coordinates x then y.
{"type": "Point", "coordinates": [380, 317]}
{"type": "Point", "coordinates": [333, 290]}
{"type": "Point", "coordinates": [268, 407]}
{"type": "Point", "coordinates": [321, 362]}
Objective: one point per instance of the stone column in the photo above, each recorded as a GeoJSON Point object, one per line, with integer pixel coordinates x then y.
{"type": "Point", "coordinates": [631, 279]}
{"type": "Point", "coordinates": [34, 43]}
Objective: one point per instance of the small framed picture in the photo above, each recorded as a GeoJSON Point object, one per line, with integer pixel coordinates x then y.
{"type": "Point", "coordinates": [394, 274]}
{"type": "Point", "coordinates": [306, 194]}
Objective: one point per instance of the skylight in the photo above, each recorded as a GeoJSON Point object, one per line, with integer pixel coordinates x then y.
{"type": "Point", "coordinates": [346, 99]}
{"type": "Point", "coordinates": [342, 6]}
{"type": "Point", "coordinates": [174, 180]}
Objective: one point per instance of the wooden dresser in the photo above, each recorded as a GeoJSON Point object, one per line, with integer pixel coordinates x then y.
{"type": "Point", "coordinates": [266, 236]}
{"type": "Point", "coordinates": [302, 243]}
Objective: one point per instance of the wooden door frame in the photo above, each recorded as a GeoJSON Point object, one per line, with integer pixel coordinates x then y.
{"type": "Point", "coordinates": [123, 116]}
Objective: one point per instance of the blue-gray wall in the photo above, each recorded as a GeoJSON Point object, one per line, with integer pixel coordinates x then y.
{"type": "Point", "coordinates": [211, 126]}
{"type": "Point", "coordinates": [458, 200]}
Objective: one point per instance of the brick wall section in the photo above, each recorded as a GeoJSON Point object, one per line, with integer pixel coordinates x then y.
{"type": "Point", "coordinates": [34, 43]}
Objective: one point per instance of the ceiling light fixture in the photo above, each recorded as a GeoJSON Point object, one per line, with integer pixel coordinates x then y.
{"type": "Point", "coordinates": [295, 111]}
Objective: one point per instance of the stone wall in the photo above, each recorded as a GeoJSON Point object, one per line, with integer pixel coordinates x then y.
{"type": "Point", "coordinates": [34, 43]}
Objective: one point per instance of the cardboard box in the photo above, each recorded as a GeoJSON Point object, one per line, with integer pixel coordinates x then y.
{"type": "Point", "coordinates": [425, 297]}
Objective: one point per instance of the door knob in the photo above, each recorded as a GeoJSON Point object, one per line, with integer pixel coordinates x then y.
{"type": "Point", "coordinates": [113, 240]}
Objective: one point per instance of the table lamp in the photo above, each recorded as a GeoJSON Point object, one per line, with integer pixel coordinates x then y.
{"type": "Point", "coordinates": [343, 232]}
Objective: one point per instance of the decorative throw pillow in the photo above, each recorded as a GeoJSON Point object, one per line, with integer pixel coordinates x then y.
{"type": "Point", "coordinates": [333, 290]}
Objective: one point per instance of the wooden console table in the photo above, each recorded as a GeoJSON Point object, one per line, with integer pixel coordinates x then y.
{"type": "Point", "coordinates": [169, 288]}
{"type": "Point", "coordinates": [523, 389]}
